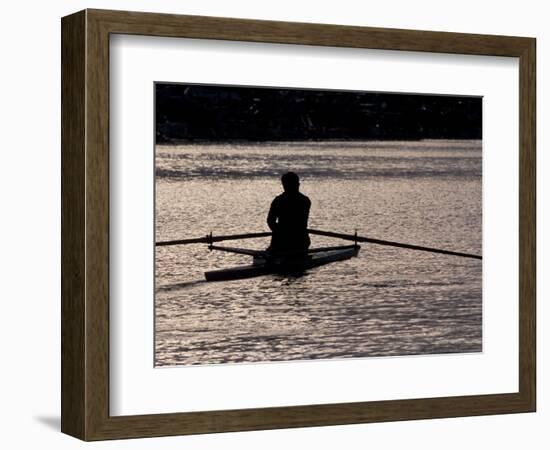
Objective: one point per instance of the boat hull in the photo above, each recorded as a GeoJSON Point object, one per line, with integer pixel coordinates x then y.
{"type": "Point", "coordinates": [265, 266]}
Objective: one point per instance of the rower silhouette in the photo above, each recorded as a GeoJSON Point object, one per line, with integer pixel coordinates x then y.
{"type": "Point", "coordinates": [287, 218]}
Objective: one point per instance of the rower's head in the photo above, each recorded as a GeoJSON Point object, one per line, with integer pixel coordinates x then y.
{"type": "Point", "coordinates": [291, 182]}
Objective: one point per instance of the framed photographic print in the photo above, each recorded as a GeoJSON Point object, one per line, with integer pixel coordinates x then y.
{"type": "Point", "coordinates": [270, 224]}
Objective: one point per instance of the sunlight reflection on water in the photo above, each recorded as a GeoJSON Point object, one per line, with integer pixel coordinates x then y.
{"type": "Point", "coordinates": [388, 301]}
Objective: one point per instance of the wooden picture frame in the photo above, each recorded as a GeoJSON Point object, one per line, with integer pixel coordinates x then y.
{"type": "Point", "coordinates": [85, 224]}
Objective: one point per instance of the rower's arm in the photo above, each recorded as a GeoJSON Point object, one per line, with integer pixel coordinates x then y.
{"type": "Point", "coordinates": [272, 216]}
{"type": "Point", "coordinates": [307, 209]}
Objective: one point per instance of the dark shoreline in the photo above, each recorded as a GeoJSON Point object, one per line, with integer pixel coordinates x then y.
{"type": "Point", "coordinates": [243, 142]}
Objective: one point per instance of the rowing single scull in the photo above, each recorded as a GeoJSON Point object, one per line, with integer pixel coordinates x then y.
{"type": "Point", "coordinates": [264, 262]}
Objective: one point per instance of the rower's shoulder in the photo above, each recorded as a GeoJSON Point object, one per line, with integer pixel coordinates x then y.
{"type": "Point", "coordinates": [277, 201]}
{"type": "Point", "coordinates": [305, 198]}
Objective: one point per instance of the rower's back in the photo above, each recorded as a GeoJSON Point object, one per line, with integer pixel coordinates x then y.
{"type": "Point", "coordinates": [288, 217]}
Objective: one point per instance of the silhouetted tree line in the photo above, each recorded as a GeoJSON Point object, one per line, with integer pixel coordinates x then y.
{"type": "Point", "coordinates": [225, 113]}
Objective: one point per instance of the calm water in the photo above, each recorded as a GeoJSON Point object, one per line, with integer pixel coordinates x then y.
{"type": "Point", "coordinates": [386, 302]}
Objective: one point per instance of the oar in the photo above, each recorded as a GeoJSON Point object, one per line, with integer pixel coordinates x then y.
{"type": "Point", "coordinates": [209, 239]}
{"type": "Point", "coordinates": [355, 238]}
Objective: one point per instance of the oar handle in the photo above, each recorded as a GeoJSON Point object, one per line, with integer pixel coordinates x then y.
{"type": "Point", "coordinates": [355, 238]}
